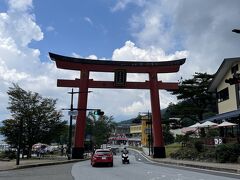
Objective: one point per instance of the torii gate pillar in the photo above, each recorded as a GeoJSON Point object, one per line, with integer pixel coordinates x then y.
{"type": "Point", "coordinates": [78, 149]}
{"type": "Point", "coordinates": [120, 68]}
{"type": "Point", "coordinates": [158, 141]}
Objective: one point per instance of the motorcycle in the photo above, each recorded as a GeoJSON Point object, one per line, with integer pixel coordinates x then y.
{"type": "Point", "coordinates": [125, 158]}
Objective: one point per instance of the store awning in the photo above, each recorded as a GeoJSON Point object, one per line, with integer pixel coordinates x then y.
{"type": "Point", "coordinates": [226, 124]}
{"type": "Point", "coordinates": [223, 116]}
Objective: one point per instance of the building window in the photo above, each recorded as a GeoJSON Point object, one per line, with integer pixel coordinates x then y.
{"type": "Point", "coordinates": [223, 95]}
{"type": "Point", "coordinates": [234, 69]}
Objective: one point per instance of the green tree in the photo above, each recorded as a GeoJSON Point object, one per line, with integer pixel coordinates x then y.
{"type": "Point", "coordinates": [195, 100]}
{"type": "Point", "coordinates": [168, 136]}
{"type": "Point", "coordinates": [35, 116]}
{"type": "Point", "coordinates": [99, 128]}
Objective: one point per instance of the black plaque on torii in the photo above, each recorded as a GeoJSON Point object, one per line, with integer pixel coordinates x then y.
{"type": "Point", "coordinates": [120, 77]}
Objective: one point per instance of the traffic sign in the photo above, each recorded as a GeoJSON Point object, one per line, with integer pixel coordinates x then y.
{"type": "Point", "coordinates": [73, 113]}
{"type": "Point", "coordinates": [218, 140]}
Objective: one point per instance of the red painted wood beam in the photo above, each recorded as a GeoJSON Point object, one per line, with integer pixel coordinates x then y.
{"type": "Point", "coordinates": [112, 68]}
{"type": "Point", "coordinates": [102, 84]}
{"type": "Point", "coordinates": [167, 85]}
{"type": "Point", "coordinates": [110, 84]}
{"type": "Point", "coordinates": [71, 63]}
{"type": "Point", "coordinates": [68, 83]}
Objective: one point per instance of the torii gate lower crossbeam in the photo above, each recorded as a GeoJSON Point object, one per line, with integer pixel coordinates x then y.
{"type": "Point", "coordinates": [86, 65]}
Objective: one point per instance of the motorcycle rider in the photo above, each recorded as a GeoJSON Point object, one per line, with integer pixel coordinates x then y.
{"type": "Point", "coordinates": [124, 151]}
{"type": "Point", "coordinates": [125, 156]}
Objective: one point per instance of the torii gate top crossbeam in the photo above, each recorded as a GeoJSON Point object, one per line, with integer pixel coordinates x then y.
{"type": "Point", "coordinates": [71, 63]}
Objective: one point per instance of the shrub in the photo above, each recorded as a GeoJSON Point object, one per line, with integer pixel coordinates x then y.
{"type": "Point", "coordinates": [168, 136]}
{"type": "Point", "coordinates": [199, 146]}
{"type": "Point", "coordinates": [222, 153]}
{"type": "Point", "coordinates": [235, 148]}
{"type": "Point", "coordinates": [208, 155]}
{"type": "Point", "coordinates": [227, 153]}
{"type": "Point", "coordinates": [185, 153]}
{"type": "Point", "coordinates": [179, 138]}
{"type": "Point", "coordinates": [8, 154]}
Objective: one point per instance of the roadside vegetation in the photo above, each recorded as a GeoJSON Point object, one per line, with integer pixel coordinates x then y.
{"type": "Point", "coordinates": [195, 149]}
{"type": "Point", "coordinates": [195, 104]}
{"type": "Point", "coordinates": [35, 120]}
{"type": "Point", "coordinates": [172, 148]}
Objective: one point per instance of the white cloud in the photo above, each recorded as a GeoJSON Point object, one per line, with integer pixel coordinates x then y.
{"type": "Point", "coordinates": [203, 28]}
{"type": "Point", "coordinates": [198, 30]}
{"type": "Point", "coordinates": [50, 28]}
{"type": "Point", "coordinates": [130, 52]}
{"type": "Point", "coordinates": [163, 30]}
{"type": "Point", "coordinates": [76, 55]}
{"type": "Point", "coordinates": [19, 63]}
{"type": "Point", "coordinates": [122, 4]}
{"type": "Point", "coordinates": [87, 19]}
{"type": "Point", "coordinates": [140, 104]}
{"type": "Point", "coordinates": [141, 101]}
{"type": "Point", "coordinates": [127, 103]}
{"type": "Point", "coordinates": [23, 5]}
{"type": "Point", "coordinates": [20, 23]}
{"type": "Point", "coordinates": [11, 74]}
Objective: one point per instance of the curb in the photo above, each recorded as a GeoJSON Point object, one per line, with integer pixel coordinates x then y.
{"type": "Point", "coordinates": [47, 164]}
{"type": "Point", "coordinates": [227, 170]}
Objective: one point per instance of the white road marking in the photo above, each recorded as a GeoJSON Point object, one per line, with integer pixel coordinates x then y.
{"type": "Point", "coordinates": [184, 167]}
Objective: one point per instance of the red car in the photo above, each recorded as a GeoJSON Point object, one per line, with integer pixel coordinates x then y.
{"type": "Point", "coordinates": [102, 156]}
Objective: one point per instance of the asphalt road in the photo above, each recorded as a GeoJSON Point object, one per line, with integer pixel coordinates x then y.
{"type": "Point", "coordinates": [141, 169]}
{"type": "Point", "coordinates": [138, 169]}
{"type": "Point", "coordinates": [55, 172]}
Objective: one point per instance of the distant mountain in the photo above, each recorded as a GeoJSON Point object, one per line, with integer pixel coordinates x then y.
{"type": "Point", "coordinates": [130, 121]}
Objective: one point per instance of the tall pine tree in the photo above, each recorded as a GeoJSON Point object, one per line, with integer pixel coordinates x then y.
{"type": "Point", "coordinates": [195, 102]}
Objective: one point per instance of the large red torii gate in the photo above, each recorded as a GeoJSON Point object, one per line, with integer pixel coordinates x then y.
{"type": "Point", "coordinates": [120, 68]}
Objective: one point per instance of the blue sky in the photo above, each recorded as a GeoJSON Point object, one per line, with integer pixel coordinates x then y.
{"type": "Point", "coordinates": [84, 28]}
{"type": "Point", "coordinates": [138, 30]}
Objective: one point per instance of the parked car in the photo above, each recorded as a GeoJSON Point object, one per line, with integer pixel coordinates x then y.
{"type": "Point", "coordinates": [102, 156]}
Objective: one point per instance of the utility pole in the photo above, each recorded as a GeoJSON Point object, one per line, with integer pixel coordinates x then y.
{"type": "Point", "coordinates": [69, 153]}
{"type": "Point", "coordinates": [19, 145]}
{"type": "Point", "coordinates": [150, 119]}
{"type": "Point", "coordinates": [150, 134]}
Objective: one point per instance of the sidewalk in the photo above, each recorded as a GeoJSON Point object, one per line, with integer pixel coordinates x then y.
{"type": "Point", "coordinates": [26, 163]}
{"type": "Point", "coordinates": [226, 167]}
